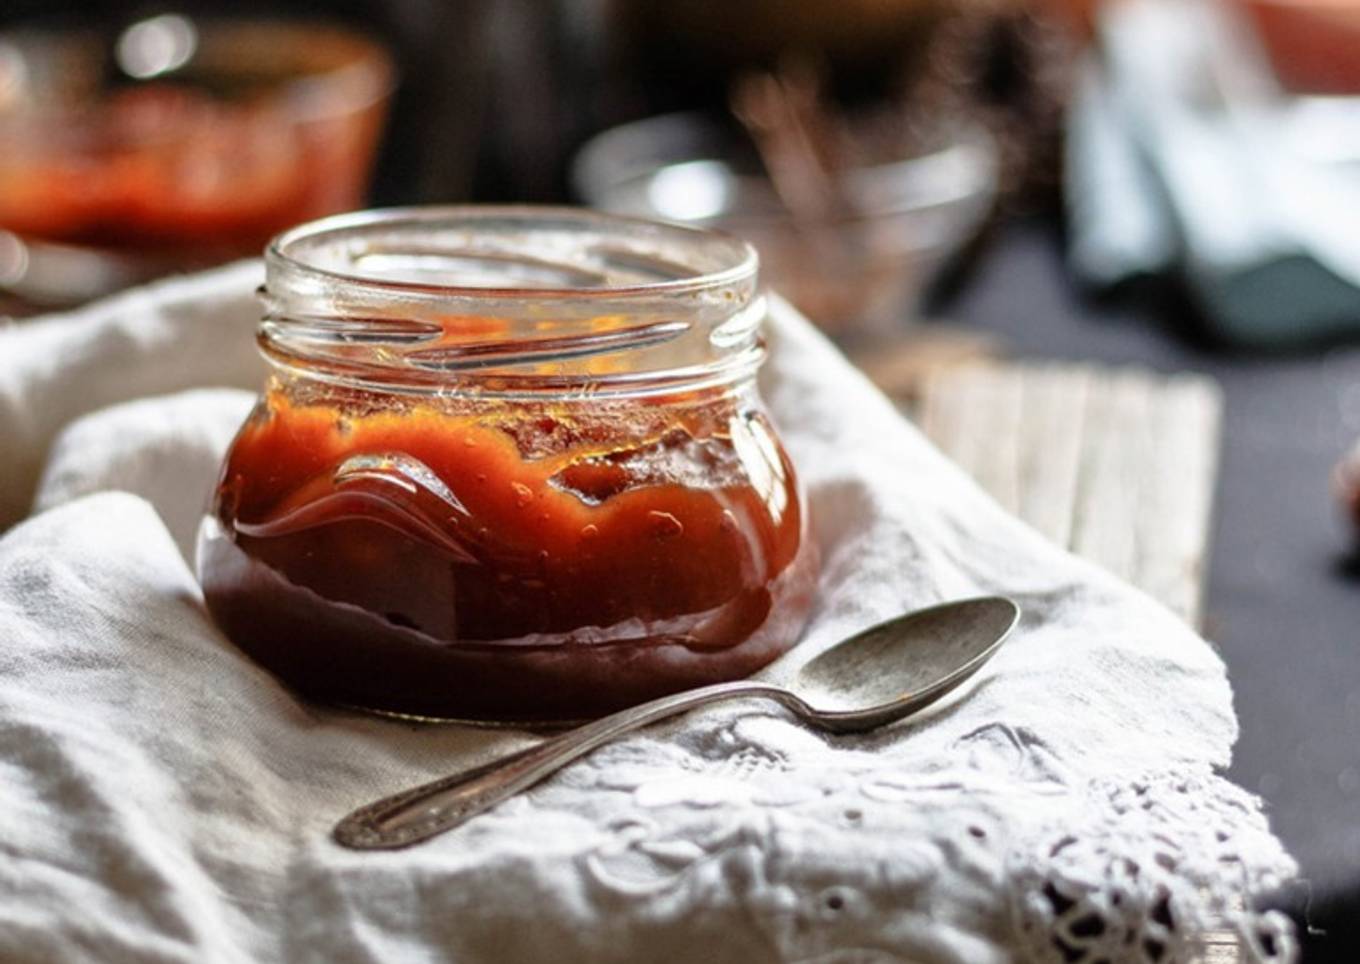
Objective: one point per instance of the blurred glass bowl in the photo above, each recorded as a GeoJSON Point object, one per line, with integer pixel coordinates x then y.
{"type": "Point", "coordinates": [175, 144]}
{"type": "Point", "coordinates": [859, 272]}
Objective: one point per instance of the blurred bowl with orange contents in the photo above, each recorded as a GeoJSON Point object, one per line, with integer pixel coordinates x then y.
{"type": "Point", "coordinates": [175, 143]}
{"type": "Point", "coordinates": [1314, 45]}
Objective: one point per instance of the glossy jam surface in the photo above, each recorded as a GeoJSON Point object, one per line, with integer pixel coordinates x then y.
{"type": "Point", "coordinates": [507, 561]}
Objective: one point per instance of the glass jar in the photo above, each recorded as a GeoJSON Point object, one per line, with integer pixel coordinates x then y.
{"type": "Point", "coordinates": [510, 464]}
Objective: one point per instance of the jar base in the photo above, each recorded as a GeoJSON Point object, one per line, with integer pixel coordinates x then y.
{"type": "Point", "coordinates": [342, 655]}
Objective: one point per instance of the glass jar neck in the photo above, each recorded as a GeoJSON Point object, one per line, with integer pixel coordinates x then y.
{"type": "Point", "coordinates": [511, 301]}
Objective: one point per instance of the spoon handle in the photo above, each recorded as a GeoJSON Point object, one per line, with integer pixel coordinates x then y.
{"type": "Point", "coordinates": [430, 809]}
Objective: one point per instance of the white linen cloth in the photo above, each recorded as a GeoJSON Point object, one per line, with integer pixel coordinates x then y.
{"type": "Point", "coordinates": [163, 799]}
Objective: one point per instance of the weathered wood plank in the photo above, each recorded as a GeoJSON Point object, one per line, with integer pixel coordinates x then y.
{"type": "Point", "coordinates": [1117, 458]}
{"type": "Point", "coordinates": [1117, 465]}
{"type": "Point", "coordinates": [1054, 406]}
{"type": "Point", "coordinates": [1177, 509]}
{"type": "Point", "coordinates": [978, 409]}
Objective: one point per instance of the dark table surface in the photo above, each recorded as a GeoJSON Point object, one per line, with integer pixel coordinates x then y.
{"type": "Point", "coordinates": [1283, 597]}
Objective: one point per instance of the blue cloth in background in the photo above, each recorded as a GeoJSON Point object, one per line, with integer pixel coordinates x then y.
{"type": "Point", "coordinates": [1184, 158]}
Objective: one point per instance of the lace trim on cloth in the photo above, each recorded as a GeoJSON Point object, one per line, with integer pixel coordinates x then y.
{"type": "Point", "coordinates": [1154, 866]}
{"type": "Point", "coordinates": [950, 859]}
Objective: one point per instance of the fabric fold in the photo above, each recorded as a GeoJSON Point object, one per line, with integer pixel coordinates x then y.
{"type": "Point", "coordinates": [165, 799]}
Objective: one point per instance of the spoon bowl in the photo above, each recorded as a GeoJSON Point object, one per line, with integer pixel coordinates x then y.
{"type": "Point", "coordinates": [921, 655]}
{"type": "Point", "coordinates": [878, 676]}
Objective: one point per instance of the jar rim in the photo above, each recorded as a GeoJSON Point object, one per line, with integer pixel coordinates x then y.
{"type": "Point", "coordinates": [281, 251]}
{"type": "Point", "coordinates": [404, 316]}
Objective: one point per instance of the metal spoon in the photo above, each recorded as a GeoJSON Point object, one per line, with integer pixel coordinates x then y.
{"type": "Point", "coordinates": [878, 676]}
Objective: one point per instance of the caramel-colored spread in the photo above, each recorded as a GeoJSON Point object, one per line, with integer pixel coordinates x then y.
{"type": "Point", "coordinates": [519, 562]}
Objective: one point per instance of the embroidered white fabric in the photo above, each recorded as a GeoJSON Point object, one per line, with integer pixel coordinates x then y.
{"type": "Point", "coordinates": [165, 800]}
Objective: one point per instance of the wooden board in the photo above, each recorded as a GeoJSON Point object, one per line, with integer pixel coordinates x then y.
{"type": "Point", "coordinates": [1117, 465]}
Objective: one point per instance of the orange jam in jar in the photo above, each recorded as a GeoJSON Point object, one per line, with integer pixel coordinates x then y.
{"type": "Point", "coordinates": [511, 464]}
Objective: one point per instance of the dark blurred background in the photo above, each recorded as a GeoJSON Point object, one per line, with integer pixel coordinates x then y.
{"type": "Point", "coordinates": [496, 95]}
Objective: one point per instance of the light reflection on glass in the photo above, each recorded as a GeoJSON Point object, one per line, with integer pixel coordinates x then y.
{"type": "Point", "coordinates": [156, 46]}
{"type": "Point", "coordinates": [691, 191]}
